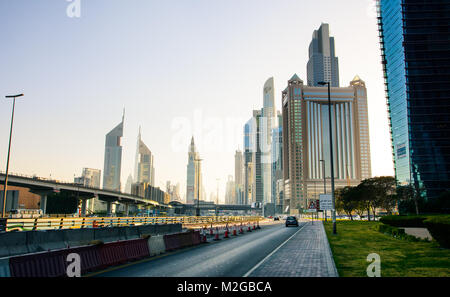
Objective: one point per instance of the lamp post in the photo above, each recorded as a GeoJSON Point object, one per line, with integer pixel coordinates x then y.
{"type": "Point", "coordinates": [322, 83]}
{"type": "Point", "coordinates": [217, 198]}
{"type": "Point", "coordinates": [5, 188]}
{"type": "Point", "coordinates": [324, 184]}
{"type": "Point", "coordinates": [198, 186]}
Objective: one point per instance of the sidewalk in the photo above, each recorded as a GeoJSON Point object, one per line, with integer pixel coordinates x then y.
{"type": "Point", "coordinates": [307, 254]}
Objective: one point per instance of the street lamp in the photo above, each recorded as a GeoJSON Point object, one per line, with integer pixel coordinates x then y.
{"type": "Point", "coordinates": [5, 188]}
{"type": "Point", "coordinates": [324, 184]}
{"type": "Point", "coordinates": [322, 83]}
{"type": "Point", "coordinates": [198, 186]}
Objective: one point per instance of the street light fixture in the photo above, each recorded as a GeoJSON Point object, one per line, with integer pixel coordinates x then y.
{"type": "Point", "coordinates": [322, 83]}
{"type": "Point", "coordinates": [5, 188]}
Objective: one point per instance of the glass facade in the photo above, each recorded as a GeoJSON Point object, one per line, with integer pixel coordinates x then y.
{"type": "Point", "coordinates": [415, 45]}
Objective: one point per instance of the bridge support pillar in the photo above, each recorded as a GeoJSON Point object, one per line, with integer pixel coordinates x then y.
{"type": "Point", "coordinates": [83, 207]}
{"type": "Point", "coordinates": [43, 203]}
{"type": "Point", "coordinates": [108, 208]}
{"type": "Point", "coordinates": [127, 209]}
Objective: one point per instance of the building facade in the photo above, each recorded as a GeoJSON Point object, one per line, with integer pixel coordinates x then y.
{"type": "Point", "coordinates": [113, 158]}
{"type": "Point", "coordinates": [415, 49]}
{"type": "Point", "coordinates": [144, 164]}
{"type": "Point", "coordinates": [306, 146]}
{"type": "Point", "coordinates": [323, 65]}
{"type": "Point", "coordinates": [239, 177]}
{"type": "Point", "coordinates": [193, 180]}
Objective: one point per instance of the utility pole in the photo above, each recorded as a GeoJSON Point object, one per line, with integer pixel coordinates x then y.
{"type": "Point", "coordinates": [5, 188]}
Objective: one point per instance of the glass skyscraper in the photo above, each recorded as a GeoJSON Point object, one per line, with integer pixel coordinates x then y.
{"type": "Point", "coordinates": [113, 158]}
{"type": "Point", "coordinates": [323, 65]}
{"type": "Point", "coordinates": [415, 47]}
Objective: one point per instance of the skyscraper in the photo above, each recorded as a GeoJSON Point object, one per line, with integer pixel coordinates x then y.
{"type": "Point", "coordinates": [277, 162]}
{"type": "Point", "coordinates": [415, 48]}
{"type": "Point", "coordinates": [239, 177]}
{"type": "Point", "coordinates": [267, 122]}
{"type": "Point", "coordinates": [323, 65]}
{"type": "Point", "coordinates": [306, 139]}
{"type": "Point", "coordinates": [113, 158]}
{"type": "Point", "coordinates": [230, 193]}
{"type": "Point", "coordinates": [193, 175]}
{"type": "Point", "coordinates": [144, 166]}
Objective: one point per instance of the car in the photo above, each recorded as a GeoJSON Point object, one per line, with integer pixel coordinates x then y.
{"type": "Point", "coordinates": [276, 218]}
{"type": "Point", "coordinates": [291, 221]}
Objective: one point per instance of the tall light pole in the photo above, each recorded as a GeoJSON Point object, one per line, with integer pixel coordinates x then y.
{"type": "Point", "coordinates": [5, 188]}
{"type": "Point", "coordinates": [198, 186]}
{"type": "Point", "coordinates": [217, 197]}
{"type": "Point", "coordinates": [322, 83]}
{"type": "Point", "coordinates": [324, 184]}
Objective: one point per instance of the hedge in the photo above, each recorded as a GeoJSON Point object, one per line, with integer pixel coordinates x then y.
{"type": "Point", "coordinates": [439, 228]}
{"type": "Point", "coordinates": [404, 221]}
{"type": "Point", "coordinates": [397, 233]}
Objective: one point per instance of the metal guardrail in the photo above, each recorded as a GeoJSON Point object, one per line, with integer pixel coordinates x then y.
{"type": "Point", "coordinates": [94, 222]}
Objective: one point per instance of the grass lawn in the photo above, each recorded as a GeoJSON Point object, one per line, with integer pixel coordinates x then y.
{"type": "Point", "coordinates": [399, 258]}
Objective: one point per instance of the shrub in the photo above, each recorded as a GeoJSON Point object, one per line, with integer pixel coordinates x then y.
{"type": "Point", "coordinates": [439, 228]}
{"type": "Point", "coordinates": [404, 221]}
{"type": "Point", "coordinates": [397, 233]}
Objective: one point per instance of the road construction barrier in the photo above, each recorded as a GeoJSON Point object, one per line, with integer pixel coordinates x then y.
{"type": "Point", "coordinates": [78, 237]}
{"type": "Point", "coordinates": [43, 264]}
{"type": "Point", "coordinates": [136, 249]}
{"type": "Point", "coordinates": [112, 253]}
{"type": "Point", "coordinates": [4, 267]}
{"type": "Point", "coordinates": [109, 234]}
{"type": "Point", "coordinates": [196, 238]}
{"type": "Point", "coordinates": [48, 223]}
{"type": "Point", "coordinates": [172, 241]}
{"type": "Point", "coordinates": [156, 245]}
{"type": "Point", "coordinates": [132, 232]}
{"type": "Point", "coordinates": [89, 257]}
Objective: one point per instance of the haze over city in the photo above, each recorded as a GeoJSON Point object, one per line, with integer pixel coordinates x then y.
{"type": "Point", "coordinates": [197, 62]}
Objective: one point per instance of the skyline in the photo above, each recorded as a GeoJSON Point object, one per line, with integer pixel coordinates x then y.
{"type": "Point", "coordinates": [81, 77]}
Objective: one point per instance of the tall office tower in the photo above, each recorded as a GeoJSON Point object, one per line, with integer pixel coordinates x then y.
{"type": "Point", "coordinates": [113, 158]}
{"type": "Point", "coordinates": [89, 178]}
{"type": "Point", "coordinates": [277, 162]}
{"type": "Point", "coordinates": [253, 154]}
{"type": "Point", "coordinates": [306, 140]}
{"type": "Point", "coordinates": [193, 174]}
{"type": "Point", "coordinates": [249, 164]}
{"type": "Point", "coordinates": [229, 192]}
{"type": "Point", "coordinates": [144, 165]}
{"type": "Point", "coordinates": [128, 184]}
{"type": "Point", "coordinates": [323, 65]}
{"type": "Point", "coordinates": [239, 176]}
{"type": "Point", "coordinates": [267, 122]}
{"type": "Point", "coordinates": [415, 48]}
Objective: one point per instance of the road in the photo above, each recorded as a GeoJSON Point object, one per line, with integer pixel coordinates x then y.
{"type": "Point", "coordinates": [234, 257]}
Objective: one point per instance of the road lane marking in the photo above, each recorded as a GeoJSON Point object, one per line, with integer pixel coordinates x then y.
{"type": "Point", "coordinates": [273, 252]}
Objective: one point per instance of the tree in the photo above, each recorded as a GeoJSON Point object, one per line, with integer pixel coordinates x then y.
{"type": "Point", "coordinates": [411, 193]}
{"type": "Point", "coordinates": [377, 192]}
{"type": "Point", "coordinates": [345, 200]}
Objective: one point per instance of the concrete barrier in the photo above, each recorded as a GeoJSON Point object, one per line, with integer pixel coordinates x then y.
{"type": "Point", "coordinates": [175, 228]}
{"type": "Point", "coordinates": [13, 243]}
{"type": "Point", "coordinates": [109, 234]}
{"type": "Point", "coordinates": [156, 245]}
{"type": "Point", "coordinates": [39, 241]}
{"type": "Point", "coordinates": [4, 267]}
{"type": "Point", "coordinates": [146, 230]}
{"type": "Point", "coordinates": [132, 233]}
{"type": "Point", "coordinates": [78, 237]}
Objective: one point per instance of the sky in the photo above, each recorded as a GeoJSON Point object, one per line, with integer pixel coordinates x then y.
{"type": "Point", "coordinates": [178, 68]}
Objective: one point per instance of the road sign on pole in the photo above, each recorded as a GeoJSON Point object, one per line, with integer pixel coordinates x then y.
{"type": "Point", "coordinates": [312, 207]}
{"type": "Point", "coordinates": [326, 202]}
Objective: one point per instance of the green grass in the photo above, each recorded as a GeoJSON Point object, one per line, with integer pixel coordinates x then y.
{"type": "Point", "coordinates": [399, 258]}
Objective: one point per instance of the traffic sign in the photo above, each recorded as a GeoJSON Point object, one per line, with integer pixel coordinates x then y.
{"type": "Point", "coordinates": [312, 207]}
{"type": "Point", "coordinates": [326, 202]}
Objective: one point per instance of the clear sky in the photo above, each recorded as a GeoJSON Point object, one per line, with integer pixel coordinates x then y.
{"type": "Point", "coordinates": [178, 67]}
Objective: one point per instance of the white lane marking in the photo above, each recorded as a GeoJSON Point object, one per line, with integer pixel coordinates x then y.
{"type": "Point", "coordinates": [273, 252]}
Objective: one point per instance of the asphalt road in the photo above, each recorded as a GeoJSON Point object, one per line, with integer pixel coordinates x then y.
{"type": "Point", "coordinates": [232, 257]}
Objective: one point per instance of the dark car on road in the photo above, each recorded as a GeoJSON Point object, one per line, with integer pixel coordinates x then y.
{"type": "Point", "coordinates": [291, 221]}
